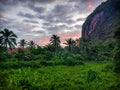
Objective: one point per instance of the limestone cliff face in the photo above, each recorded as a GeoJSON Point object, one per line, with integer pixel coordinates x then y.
{"type": "Point", "coordinates": [103, 21]}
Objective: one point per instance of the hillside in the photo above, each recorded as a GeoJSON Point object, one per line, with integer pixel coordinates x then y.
{"type": "Point", "coordinates": [103, 21]}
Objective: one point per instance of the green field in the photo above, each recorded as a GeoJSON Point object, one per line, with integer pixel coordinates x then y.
{"type": "Point", "coordinates": [89, 76]}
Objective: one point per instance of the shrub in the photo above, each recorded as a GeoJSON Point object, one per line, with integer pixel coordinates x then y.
{"type": "Point", "coordinates": [78, 57]}
{"type": "Point", "coordinates": [43, 63]}
{"type": "Point", "coordinates": [117, 51]}
{"type": "Point", "coordinates": [109, 67]}
{"type": "Point", "coordinates": [23, 56]}
{"type": "Point", "coordinates": [104, 56]}
{"type": "Point", "coordinates": [38, 57]}
{"type": "Point", "coordinates": [16, 65]}
{"type": "Point", "coordinates": [2, 56]}
{"type": "Point", "coordinates": [12, 59]}
{"type": "Point", "coordinates": [117, 62]}
{"type": "Point", "coordinates": [91, 76]}
{"type": "Point", "coordinates": [70, 61]}
{"type": "Point", "coordinates": [3, 81]}
{"type": "Point", "coordinates": [25, 84]}
{"type": "Point", "coordinates": [48, 56]}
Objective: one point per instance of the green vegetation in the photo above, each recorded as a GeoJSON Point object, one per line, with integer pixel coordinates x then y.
{"type": "Point", "coordinates": [90, 76]}
{"type": "Point", "coordinates": [117, 51]}
{"type": "Point", "coordinates": [82, 64]}
{"type": "Point", "coordinates": [7, 39]}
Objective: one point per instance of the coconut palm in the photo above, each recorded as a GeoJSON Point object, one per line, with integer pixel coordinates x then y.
{"type": "Point", "coordinates": [70, 43]}
{"type": "Point", "coordinates": [31, 44]}
{"type": "Point", "coordinates": [55, 41]}
{"type": "Point", "coordinates": [7, 39]}
{"type": "Point", "coordinates": [22, 43]}
{"type": "Point", "coordinates": [84, 44]}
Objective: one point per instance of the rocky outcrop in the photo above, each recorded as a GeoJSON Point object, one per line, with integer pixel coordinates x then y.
{"type": "Point", "coordinates": [103, 21]}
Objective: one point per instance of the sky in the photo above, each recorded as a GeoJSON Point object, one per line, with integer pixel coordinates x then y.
{"type": "Point", "coordinates": [38, 20]}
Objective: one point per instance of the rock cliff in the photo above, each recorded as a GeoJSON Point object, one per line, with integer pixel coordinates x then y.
{"type": "Point", "coordinates": [103, 21]}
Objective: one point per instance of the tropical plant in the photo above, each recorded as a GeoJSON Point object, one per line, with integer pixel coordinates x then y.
{"type": "Point", "coordinates": [22, 43]}
{"type": "Point", "coordinates": [55, 42]}
{"type": "Point", "coordinates": [70, 43]}
{"type": "Point", "coordinates": [7, 39]}
{"type": "Point", "coordinates": [31, 44]}
{"type": "Point", "coordinates": [117, 51]}
{"type": "Point", "coordinates": [84, 44]}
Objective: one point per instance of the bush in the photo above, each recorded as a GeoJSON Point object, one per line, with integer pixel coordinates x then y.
{"type": "Point", "coordinates": [2, 56]}
{"type": "Point", "coordinates": [25, 84]}
{"type": "Point", "coordinates": [104, 56]}
{"type": "Point", "coordinates": [117, 62]}
{"type": "Point", "coordinates": [12, 59]}
{"type": "Point", "coordinates": [78, 57]}
{"type": "Point", "coordinates": [3, 81]}
{"type": "Point", "coordinates": [48, 56]}
{"type": "Point", "coordinates": [117, 51]}
{"type": "Point", "coordinates": [16, 65]}
{"type": "Point", "coordinates": [38, 57]}
{"type": "Point", "coordinates": [23, 55]}
{"type": "Point", "coordinates": [109, 67]}
{"type": "Point", "coordinates": [91, 76]}
{"type": "Point", "coordinates": [70, 61]}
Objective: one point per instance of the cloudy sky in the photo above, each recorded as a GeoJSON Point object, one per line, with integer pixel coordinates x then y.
{"type": "Point", "coordinates": [37, 20]}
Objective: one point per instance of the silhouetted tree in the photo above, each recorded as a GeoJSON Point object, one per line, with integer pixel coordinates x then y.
{"type": "Point", "coordinates": [55, 42]}
{"type": "Point", "coordinates": [22, 43]}
{"type": "Point", "coordinates": [117, 51]}
{"type": "Point", "coordinates": [7, 39]}
{"type": "Point", "coordinates": [70, 43]}
{"type": "Point", "coordinates": [31, 44]}
{"type": "Point", "coordinates": [84, 44]}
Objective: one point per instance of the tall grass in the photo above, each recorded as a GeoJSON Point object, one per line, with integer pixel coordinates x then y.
{"type": "Point", "coordinates": [62, 77]}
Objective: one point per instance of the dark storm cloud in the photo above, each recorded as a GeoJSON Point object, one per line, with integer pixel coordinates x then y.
{"type": "Point", "coordinates": [27, 15]}
{"type": "Point", "coordinates": [78, 26]}
{"type": "Point", "coordinates": [46, 24]}
{"type": "Point", "coordinates": [9, 2]}
{"type": "Point", "coordinates": [83, 1]}
{"type": "Point", "coordinates": [70, 21]}
{"type": "Point", "coordinates": [45, 1]}
{"type": "Point", "coordinates": [5, 2]}
{"type": "Point", "coordinates": [81, 19]}
{"type": "Point", "coordinates": [62, 10]}
{"type": "Point", "coordinates": [56, 28]}
{"type": "Point", "coordinates": [39, 32]}
{"type": "Point", "coordinates": [5, 23]}
{"type": "Point", "coordinates": [30, 21]}
{"type": "Point", "coordinates": [59, 14]}
{"type": "Point", "coordinates": [36, 9]}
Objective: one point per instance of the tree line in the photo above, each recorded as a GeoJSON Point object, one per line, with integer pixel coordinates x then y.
{"type": "Point", "coordinates": [80, 49]}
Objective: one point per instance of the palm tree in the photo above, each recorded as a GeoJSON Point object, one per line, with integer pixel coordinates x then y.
{"type": "Point", "coordinates": [22, 43]}
{"type": "Point", "coordinates": [70, 43]}
{"type": "Point", "coordinates": [84, 44]}
{"type": "Point", "coordinates": [117, 51]}
{"type": "Point", "coordinates": [55, 41]}
{"type": "Point", "coordinates": [31, 44]}
{"type": "Point", "coordinates": [0, 41]}
{"type": "Point", "coordinates": [7, 39]}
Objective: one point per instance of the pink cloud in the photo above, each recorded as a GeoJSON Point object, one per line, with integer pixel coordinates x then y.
{"type": "Point", "coordinates": [63, 37]}
{"type": "Point", "coordinates": [43, 41]}
{"type": "Point", "coordinates": [90, 4]}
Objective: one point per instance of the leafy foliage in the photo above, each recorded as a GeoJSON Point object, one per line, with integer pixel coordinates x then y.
{"type": "Point", "coordinates": [60, 77]}
{"type": "Point", "coordinates": [55, 42]}
{"type": "Point", "coordinates": [22, 43]}
{"type": "Point", "coordinates": [91, 76]}
{"type": "Point", "coordinates": [117, 51]}
{"type": "Point", "coordinates": [23, 55]}
{"type": "Point", "coordinates": [7, 38]}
